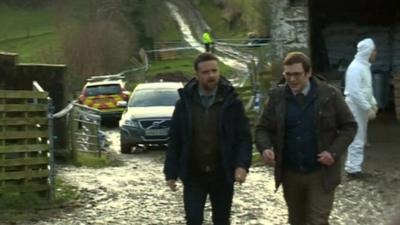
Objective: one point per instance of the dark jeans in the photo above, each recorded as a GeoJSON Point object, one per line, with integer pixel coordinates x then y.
{"type": "Point", "coordinates": [307, 200]}
{"type": "Point", "coordinates": [207, 47]}
{"type": "Point", "coordinates": [195, 191]}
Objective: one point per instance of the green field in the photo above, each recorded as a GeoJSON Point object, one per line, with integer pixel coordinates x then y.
{"type": "Point", "coordinates": [43, 48]}
{"type": "Point", "coordinates": [20, 23]}
{"type": "Point", "coordinates": [36, 35]}
{"type": "Point", "coordinates": [32, 33]}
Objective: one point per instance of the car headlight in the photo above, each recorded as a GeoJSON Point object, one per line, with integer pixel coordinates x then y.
{"type": "Point", "coordinates": [129, 123]}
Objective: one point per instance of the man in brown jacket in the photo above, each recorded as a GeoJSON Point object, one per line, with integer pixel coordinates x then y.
{"type": "Point", "coordinates": [304, 132]}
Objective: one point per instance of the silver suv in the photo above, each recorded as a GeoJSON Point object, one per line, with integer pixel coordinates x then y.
{"type": "Point", "coordinates": [146, 120]}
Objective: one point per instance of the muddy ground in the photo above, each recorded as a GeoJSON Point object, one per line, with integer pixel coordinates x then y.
{"type": "Point", "coordinates": [136, 193]}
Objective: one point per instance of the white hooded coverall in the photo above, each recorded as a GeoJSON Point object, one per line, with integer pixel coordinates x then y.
{"type": "Point", "coordinates": [360, 99]}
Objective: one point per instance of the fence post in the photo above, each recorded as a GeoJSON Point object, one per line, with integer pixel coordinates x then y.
{"type": "Point", "coordinates": [99, 139]}
{"type": "Point", "coordinates": [51, 148]}
{"type": "Point", "coordinates": [73, 129]}
{"type": "Point", "coordinates": [69, 134]}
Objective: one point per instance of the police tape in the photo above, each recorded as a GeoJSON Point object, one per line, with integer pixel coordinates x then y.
{"type": "Point", "coordinates": [173, 49]}
{"type": "Point", "coordinates": [241, 45]}
{"type": "Point", "coordinates": [200, 46]}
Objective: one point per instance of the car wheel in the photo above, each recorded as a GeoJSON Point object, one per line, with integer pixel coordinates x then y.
{"type": "Point", "coordinates": [125, 148]}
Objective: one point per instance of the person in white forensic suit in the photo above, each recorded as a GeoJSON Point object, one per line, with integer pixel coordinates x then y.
{"type": "Point", "coordinates": [362, 103]}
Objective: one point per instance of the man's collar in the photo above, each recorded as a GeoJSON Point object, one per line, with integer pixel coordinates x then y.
{"type": "Point", "coordinates": [202, 93]}
{"type": "Point", "coordinates": [306, 89]}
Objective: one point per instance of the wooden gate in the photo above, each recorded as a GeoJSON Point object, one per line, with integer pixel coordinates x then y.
{"type": "Point", "coordinates": [84, 127]}
{"type": "Point", "coordinates": [24, 142]}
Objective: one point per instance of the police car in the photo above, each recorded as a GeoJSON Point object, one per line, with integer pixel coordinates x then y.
{"type": "Point", "coordinates": [103, 93]}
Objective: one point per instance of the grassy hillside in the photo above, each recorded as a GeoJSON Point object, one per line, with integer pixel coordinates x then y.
{"type": "Point", "coordinates": [32, 33]}
{"type": "Point", "coordinates": [220, 26]}
{"type": "Point", "coordinates": [170, 29]}
{"type": "Point", "coordinates": [236, 18]}
{"type": "Point", "coordinates": [40, 34]}
{"type": "Point", "coordinates": [158, 22]}
{"type": "Point", "coordinates": [19, 23]}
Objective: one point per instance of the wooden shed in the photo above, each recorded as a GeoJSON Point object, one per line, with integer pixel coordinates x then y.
{"type": "Point", "coordinates": [19, 76]}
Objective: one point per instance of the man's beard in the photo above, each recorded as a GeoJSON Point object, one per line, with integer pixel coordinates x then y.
{"type": "Point", "coordinates": [210, 85]}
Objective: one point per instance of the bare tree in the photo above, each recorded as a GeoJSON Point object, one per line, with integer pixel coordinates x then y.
{"type": "Point", "coordinates": [98, 48]}
{"type": "Point", "coordinates": [97, 39]}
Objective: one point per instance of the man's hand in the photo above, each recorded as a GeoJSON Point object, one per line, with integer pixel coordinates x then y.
{"type": "Point", "coordinates": [269, 157]}
{"type": "Point", "coordinates": [240, 175]}
{"type": "Point", "coordinates": [371, 114]}
{"type": "Point", "coordinates": [172, 185]}
{"type": "Point", "coordinates": [325, 158]}
{"type": "Point", "coordinates": [375, 108]}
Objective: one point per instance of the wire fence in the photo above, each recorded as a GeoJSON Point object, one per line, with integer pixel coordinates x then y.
{"type": "Point", "coordinates": [249, 57]}
{"type": "Point", "coordinates": [180, 49]}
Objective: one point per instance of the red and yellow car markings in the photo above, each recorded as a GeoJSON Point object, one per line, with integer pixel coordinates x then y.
{"type": "Point", "coordinates": [104, 103]}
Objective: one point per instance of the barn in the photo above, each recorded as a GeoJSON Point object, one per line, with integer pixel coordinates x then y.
{"type": "Point", "coordinates": [329, 30]}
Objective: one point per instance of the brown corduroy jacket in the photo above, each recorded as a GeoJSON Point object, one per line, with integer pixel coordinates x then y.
{"type": "Point", "coordinates": [335, 126]}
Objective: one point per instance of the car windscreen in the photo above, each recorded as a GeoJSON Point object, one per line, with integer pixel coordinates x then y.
{"type": "Point", "coordinates": [103, 90]}
{"type": "Point", "coordinates": [154, 97]}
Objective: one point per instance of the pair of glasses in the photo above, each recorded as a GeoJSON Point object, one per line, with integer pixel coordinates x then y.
{"type": "Point", "coordinates": [293, 74]}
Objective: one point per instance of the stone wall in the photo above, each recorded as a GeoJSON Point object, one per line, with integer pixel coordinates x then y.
{"type": "Point", "coordinates": [289, 30]}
